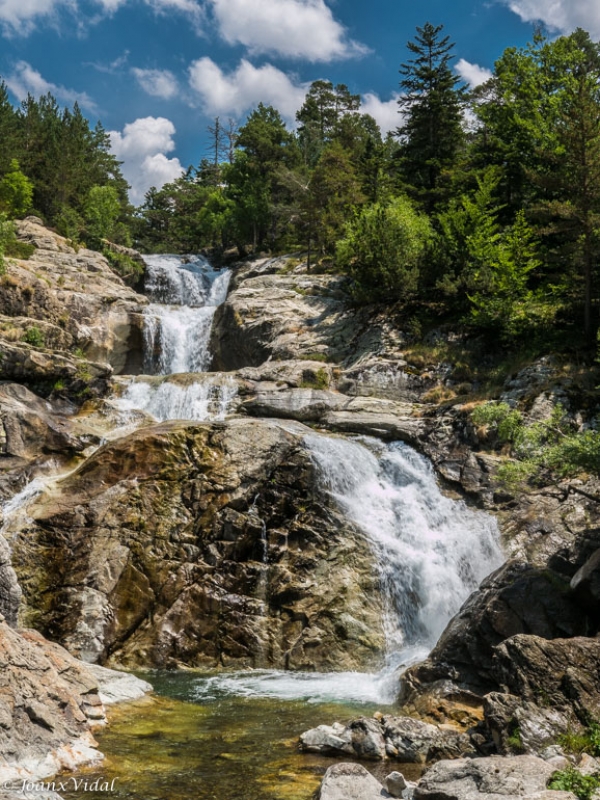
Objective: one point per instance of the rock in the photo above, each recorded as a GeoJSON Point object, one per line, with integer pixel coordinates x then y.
{"type": "Point", "coordinates": [328, 739]}
{"type": "Point", "coordinates": [200, 544]}
{"type": "Point", "coordinates": [520, 726]}
{"type": "Point", "coordinates": [496, 776]}
{"type": "Point", "coordinates": [10, 591]}
{"type": "Point", "coordinates": [44, 697]}
{"type": "Point", "coordinates": [367, 739]}
{"type": "Point", "coordinates": [515, 599]}
{"type": "Point", "coordinates": [118, 687]}
{"type": "Point", "coordinates": [563, 674]}
{"type": "Point", "coordinates": [586, 584]}
{"type": "Point", "coordinates": [410, 740]}
{"type": "Point", "coordinates": [350, 782]}
{"type": "Point", "coordinates": [588, 765]}
{"type": "Point", "coordinates": [396, 784]}
{"type": "Point", "coordinates": [76, 301]}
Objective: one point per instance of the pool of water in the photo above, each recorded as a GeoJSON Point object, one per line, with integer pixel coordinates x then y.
{"type": "Point", "coordinates": [224, 737]}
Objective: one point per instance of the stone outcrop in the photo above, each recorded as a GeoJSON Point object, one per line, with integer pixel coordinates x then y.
{"type": "Point", "coordinates": [49, 705]}
{"type": "Point", "coordinates": [200, 545]}
{"type": "Point", "coordinates": [61, 302]}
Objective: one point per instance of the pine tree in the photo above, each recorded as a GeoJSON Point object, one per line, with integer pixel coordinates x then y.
{"type": "Point", "coordinates": [431, 105]}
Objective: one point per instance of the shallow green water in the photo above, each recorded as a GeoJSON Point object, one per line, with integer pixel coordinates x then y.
{"type": "Point", "coordinates": [196, 740]}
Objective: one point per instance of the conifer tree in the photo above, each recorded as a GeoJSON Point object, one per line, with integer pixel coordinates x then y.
{"type": "Point", "coordinates": [431, 104]}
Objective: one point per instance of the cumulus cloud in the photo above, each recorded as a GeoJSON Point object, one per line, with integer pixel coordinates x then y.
{"type": "Point", "coordinates": [561, 15]}
{"type": "Point", "coordinates": [245, 87]}
{"type": "Point", "coordinates": [473, 74]}
{"type": "Point", "coordinates": [156, 82]}
{"type": "Point", "coordinates": [26, 80]}
{"type": "Point", "coordinates": [142, 147]}
{"type": "Point", "coordinates": [292, 28]}
{"type": "Point", "coordinates": [385, 112]}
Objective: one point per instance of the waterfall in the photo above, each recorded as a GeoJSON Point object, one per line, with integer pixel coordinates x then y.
{"type": "Point", "coordinates": [431, 551]}
{"type": "Point", "coordinates": [206, 398]}
{"type": "Point", "coordinates": [185, 292]}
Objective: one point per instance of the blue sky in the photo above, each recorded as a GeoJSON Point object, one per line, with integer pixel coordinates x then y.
{"type": "Point", "coordinates": [156, 72]}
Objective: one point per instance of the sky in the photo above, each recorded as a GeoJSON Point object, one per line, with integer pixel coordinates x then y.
{"type": "Point", "coordinates": [157, 72]}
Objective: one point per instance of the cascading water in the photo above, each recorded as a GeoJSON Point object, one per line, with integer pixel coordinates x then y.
{"type": "Point", "coordinates": [431, 551]}
{"type": "Point", "coordinates": [185, 292]}
{"type": "Point", "coordinates": [206, 399]}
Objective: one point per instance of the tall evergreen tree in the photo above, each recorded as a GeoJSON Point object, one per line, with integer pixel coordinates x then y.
{"type": "Point", "coordinates": [431, 104]}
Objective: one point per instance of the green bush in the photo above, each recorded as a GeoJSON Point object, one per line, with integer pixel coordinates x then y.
{"type": "Point", "coordinates": [34, 336]}
{"type": "Point", "coordinates": [383, 250]}
{"type": "Point", "coordinates": [499, 418]}
{"type": "Point", "coordinates": [571, 780]}
{"type": "Point", "coordinates": [123, 264]}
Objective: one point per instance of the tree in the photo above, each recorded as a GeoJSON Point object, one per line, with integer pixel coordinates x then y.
{"type": "Point", "coordinates": [431, 104]}
{"type": "Point", "coordinates": [102, 211]}
{"type": "Point", "coordinates": [322, 113]}
{"type": "Point", "coordinates": [384, 249]}
{"type": "Point", "coordinates": [16, 192]}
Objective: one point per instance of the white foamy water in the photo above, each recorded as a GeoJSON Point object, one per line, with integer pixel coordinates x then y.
{"type": "Point", "coordinates": [14, 509]}
{"type": "Point", "coordinates": [312, 687]}
{"type": "Point", "coordinates": [186, 292]}
{"type": "Point", "coordinates": [207, 398]}
{"type": "Point", "coordinates": [431, 551]}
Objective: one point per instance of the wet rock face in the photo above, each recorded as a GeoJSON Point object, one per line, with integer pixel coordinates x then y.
{"type": "Point", "coordinates": [204, 545]}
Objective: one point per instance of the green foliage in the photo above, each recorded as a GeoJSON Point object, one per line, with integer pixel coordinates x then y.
{"type": "Point", "coordinates": [101, 211]}
{"type": "Point", "coordinates": [500, 418]}
{"type": "Point", "coordinates": [16, 191]}
{"type": "Point", "coordinates": [123, 264]}
{"type": "Point", "coordinates": [431, 101]}
{"type": "Point", "coordinates": [550, 447]}
{"type": "Point", "coordinates": [7, 236]}
{"type": "Point", "coordinates": [384, 249]}
{"type": "Point", "coordinates": [320, 380]}
{"type": "Point", "coordinates": [584, 741]}
{"type": "Point", "coordinates": [34, 336]}
{"type": "Point", "coordinates": [571, 780]}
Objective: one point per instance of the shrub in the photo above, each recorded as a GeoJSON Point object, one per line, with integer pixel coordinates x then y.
{"type": "Point", "coordinates": [383, 250]}
{"type": "Point", "coordinates": [571, 780]}
{"type": "Point", "coordinates": [34, 336]}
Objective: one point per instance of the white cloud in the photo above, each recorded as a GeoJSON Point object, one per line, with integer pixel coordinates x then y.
{"type": "Point", "coordinates": [244, 88]}
{"type": "Point", "coordinates": [473, 74]}
{"type": "Point", "coordinates": [385, 112]}
{"type": "Point", "coordinates": [19, 17]}
{"type": "Point", "coordinates": [562, 15]}
{"type": "Point", "coordinates": [156, 82]}
{"type": "Point", "coordinates": [142, 147]}
{"type": "Point", "coordinates": [27, 80]}
{"type": "Point", "coordinates": [292, 28]}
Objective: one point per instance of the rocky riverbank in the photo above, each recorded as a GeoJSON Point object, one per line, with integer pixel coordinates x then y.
{"type": "Point", "coordinates": [211, 543]}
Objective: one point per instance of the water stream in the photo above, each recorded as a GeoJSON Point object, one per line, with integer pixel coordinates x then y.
{"type": "Point", "coordinates": [431, 552]}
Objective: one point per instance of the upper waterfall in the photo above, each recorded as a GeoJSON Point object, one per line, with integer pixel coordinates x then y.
{"type": "Point", "coordinates": [185, 291]}
{"type": "Point", "coordinates": [432, 551]}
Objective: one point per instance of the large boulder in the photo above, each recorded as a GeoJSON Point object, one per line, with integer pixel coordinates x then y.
{"type": "Point", "coordinates": [491, 778]}
{"type": "Point", "coordinates": [200, 544]}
